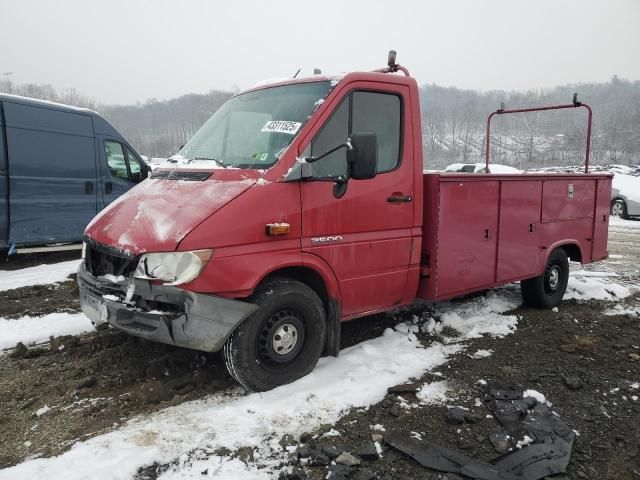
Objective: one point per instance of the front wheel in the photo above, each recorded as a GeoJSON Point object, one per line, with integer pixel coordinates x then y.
{"type": "Point", "coordinates": [619, 209]}
{"type": "Point", "coordinates": [280, 342]}
{"type": "Point", "coordinates": [547, 290]}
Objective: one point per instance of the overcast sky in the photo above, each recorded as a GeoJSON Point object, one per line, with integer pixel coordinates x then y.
{"type": "Point", "coordinates": [123, 51]}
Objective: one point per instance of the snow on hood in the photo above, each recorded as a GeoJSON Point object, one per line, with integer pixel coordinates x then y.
{"type": "Point", "coordinates": [158, 213]}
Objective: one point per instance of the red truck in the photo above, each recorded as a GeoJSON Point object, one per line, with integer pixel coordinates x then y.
{"type": "Point", "coordinates": [303, 204]}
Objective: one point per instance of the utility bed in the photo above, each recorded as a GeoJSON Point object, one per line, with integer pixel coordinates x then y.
{"type": "Point", "coordinates": [483, 230]}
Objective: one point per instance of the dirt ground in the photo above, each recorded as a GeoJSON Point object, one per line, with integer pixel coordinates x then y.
{"type": "Point", "coordinates": [584, 361]}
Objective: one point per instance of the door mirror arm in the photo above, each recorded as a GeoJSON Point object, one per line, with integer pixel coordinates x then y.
{"type": "Point", "coordinates": [346, 145]}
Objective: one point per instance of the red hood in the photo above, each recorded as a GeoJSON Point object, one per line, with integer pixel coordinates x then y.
{"type": "Point", "coordinates": [158, 213]}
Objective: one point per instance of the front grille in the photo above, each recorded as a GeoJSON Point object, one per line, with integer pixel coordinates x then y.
{"type": "Point", "coordinates": [102, 260]}
{"type": "Point", "coordinates": [102, 288]}
{"type": "Point", "coordinates": [177, 175]}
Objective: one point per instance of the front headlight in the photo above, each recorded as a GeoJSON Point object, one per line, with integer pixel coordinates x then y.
{"type": "Point", "coordinates": [174, 268]}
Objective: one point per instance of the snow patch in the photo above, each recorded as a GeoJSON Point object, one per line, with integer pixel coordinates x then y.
{"type": "Point", "coordinates": [482, 354]}
{"type": "Point", "coordinates": [434, 393]}
{"type": "Point", "coordinates": [38, 329]}
{"type": "Point", "coordinates": [38, 275]}
{"type": "Point", "coordinates": [595, 286]}
{"type": "Point", "coordinates": [483, 315]}
{"type": "Point", "coordinates": [358, 378]}
{"type": "Point", "coordinates": [535, 394]}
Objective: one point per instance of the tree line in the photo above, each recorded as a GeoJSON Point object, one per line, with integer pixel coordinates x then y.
{"type": "Point", "coordinates": [453, 121]}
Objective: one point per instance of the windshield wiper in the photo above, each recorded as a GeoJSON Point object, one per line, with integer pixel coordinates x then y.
{"type": "Point", "coordinates": [208, 159]}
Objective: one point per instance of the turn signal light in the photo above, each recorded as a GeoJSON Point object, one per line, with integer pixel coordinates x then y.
{"type": "Point", "coordinates": [278, 228]}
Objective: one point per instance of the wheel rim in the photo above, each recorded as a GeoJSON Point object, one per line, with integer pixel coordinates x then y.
{"type": "Point", "coordinates": [281, 338]}
{"type": "Point", "coordinates": [285, 339]}
{"type": "Point", "coordinates": [552, 279]}
{"type": "Point", "coordinates": [616, 209]}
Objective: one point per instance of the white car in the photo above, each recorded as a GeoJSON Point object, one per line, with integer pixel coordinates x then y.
{"type": "Point", "coordinates": [625, 196]}
{"type": "Point", "coordinates": [480, 168]}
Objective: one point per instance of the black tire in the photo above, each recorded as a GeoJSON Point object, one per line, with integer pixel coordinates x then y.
{"type": "Point", "coordinates": [291, 319]}
{"type": "Point", "coordinates": [547, 290]}
{"type": "Point", "coordinates": [619, 209]}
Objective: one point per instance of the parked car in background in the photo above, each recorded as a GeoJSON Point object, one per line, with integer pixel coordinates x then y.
{"type": "Point", "coordinates": [625, 196]}
{"type": "Point", "coordinates": [59, 166]}
{"type": "Point", "coordinates": [480, 168]}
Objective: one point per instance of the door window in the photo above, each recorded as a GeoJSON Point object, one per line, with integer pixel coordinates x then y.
{"type": "Point", "coordinates": [333, 133]}
{"type": "Point", "coordinates": [361, 111]}
{"type": "Point", "coordinates": [122, 162]}
{"type": "Point", "coordinates": [135, 167]}
{"type": "Point", "coordinates": [379, 113]}
{"type": "Point", "coordinates": [116, 160]}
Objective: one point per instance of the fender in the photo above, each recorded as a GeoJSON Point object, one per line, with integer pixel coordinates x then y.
{"type": "Point", "coordinates": [334, 311]}
{"type": "Point", "coordinates": [546, 252]}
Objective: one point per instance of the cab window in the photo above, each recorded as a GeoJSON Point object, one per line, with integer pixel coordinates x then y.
{"type": "Point", "coordinates": [360, 111]}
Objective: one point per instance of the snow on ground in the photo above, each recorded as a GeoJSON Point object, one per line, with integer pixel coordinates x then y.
{"type": "Point", "coordinates": [38, 275]}
{"type": "Point", "coordinates": [358, 378]}
{"type": "Point", "coordinates": [38, 329]}
{"type": "Point", "coordinates": [484, 314]}
{"type": "Point", "coordinates": [434, 392]}
{"type": "Point", "coordinates": [619, 222]}
{"type": "Point", "coordinates": [191, 432]}
{"type": "Point", "coordinates": [591, 285]}
{"type": "Point", "coordinates": [621, 310]}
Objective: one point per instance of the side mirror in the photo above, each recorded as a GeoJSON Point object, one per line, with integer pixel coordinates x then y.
{"type": "Point", "coordinates": [363, 156]}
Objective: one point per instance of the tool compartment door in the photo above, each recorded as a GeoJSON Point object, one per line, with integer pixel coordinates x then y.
{"type": "Point", "coordinates": [467, 236]}
{"type": "Point", "coordinates": [519, 242]}
{"type": "Point", "coordinates": [601, 220]}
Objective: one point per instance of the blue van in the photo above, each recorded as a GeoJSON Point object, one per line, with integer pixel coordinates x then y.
{"type": "Point", "coordinates": [59, 166]}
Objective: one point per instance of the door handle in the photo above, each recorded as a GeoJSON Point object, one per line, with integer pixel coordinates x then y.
{"type": "Point", "coordinates": [108, 187]}
{"type": "Point", "coordinates": [399, 198]}
{"type": "Point", "coordinates": [88, 187]}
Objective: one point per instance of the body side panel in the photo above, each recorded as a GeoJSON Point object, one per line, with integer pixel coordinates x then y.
{"type": "Point", "coordinates": [4, 185]}
{"type": "Point", "coordinates": [52, 173]}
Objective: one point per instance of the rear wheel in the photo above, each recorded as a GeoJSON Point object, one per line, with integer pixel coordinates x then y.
{"type": "Point", "coordinates": [619, 208]}
{"type": "Point", "coordinates": [547, 290]}
{"type": "Point", "coordinates": [280, 342]}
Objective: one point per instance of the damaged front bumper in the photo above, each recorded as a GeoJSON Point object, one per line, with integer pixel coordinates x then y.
{"type": "Point", "coordinates": [161, 313]}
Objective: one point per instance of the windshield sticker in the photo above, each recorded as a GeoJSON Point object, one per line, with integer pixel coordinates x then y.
{"type": "Point", "coordinates": [260, 157]}
{"type": "Point", "coordinates": [281, 126]}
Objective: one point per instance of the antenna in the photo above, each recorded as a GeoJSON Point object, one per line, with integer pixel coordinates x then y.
{"type": "Point", "coordinates": [296, 74]}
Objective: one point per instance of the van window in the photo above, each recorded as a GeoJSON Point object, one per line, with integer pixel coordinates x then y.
{"type": "Point", "coordinates": [116, 160]}
{"type": "Point", "coordinates": [361, 111]}
{"type": "Point", "coordinates": [135, 167]}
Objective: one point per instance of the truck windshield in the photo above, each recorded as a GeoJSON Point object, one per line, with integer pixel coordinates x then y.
{"type": "Point", "coordinates": [253, 129]}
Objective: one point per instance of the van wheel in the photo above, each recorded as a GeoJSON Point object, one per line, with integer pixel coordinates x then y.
{"type": "Point", "coordinates": [280, 342]}
{"type": "Point", "coordinates": [547, 290]}
{"type": "Point", "coordinates": [619, 209]}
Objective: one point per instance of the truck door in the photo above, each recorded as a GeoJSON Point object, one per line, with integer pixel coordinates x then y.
{"type": "Point", "coordinates": [365, 236]}
{"type": "Point", "coordinates": [120, 168]}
